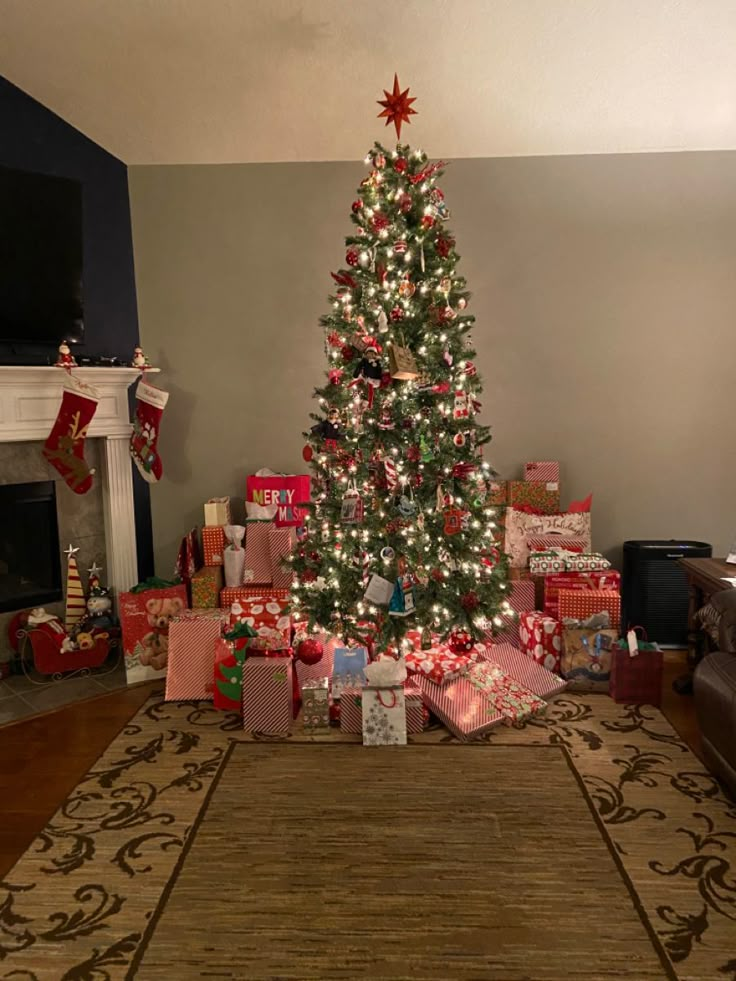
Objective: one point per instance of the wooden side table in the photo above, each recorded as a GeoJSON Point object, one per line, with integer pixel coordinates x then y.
{"type": "Point", "coordinates": [705, 577]}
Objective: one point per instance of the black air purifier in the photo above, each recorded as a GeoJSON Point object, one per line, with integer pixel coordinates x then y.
{"type": "Point", "coordinates": [655, 589]}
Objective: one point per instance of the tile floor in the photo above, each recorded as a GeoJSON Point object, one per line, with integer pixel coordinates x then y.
{"type": "Point", "coordinates": [21, 696]}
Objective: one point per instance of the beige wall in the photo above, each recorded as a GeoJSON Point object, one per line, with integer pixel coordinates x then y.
{"type": "Point", "coordinates": [604, 288]}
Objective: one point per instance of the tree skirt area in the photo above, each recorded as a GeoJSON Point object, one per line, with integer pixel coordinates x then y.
{"type": "Point", "coordinates": [590, 844]}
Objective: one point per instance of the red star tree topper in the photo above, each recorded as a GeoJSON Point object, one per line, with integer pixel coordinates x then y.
{"type": "Point", "coordinates": [397, 106]}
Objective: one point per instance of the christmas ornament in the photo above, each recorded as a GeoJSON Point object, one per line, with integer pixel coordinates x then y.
{"type": "Point", "coordinates": [400, 247]}
{"type": "Point", "coordinates": [392, 475]}
{"type": "Point", "coordinates": [461, 471]}
{"type": "Point", "coordinates": [454, 520]}
{"type": "Point", "coordinates": [329, 428]}
{"type": "Point", "coordinates": [460, 409]}
{"type": "Point", "coordinates": [307, 453]}
{"type": "Point", "coordinates": [64, 447]}
{"type": "Point", "coordinates": [65, 358]}
{"type": "Point", "coordinates": [405, 203]}
{"type": "Point", "coordinates": [335, 375]}
{"type": "Point", "coordinates": [460, 641]}
{"type": "Point", "coordinates": [425, 450]}
{"type": "Point", "coordinates": [76, 604]}
{"type": "Point", "coordinates": [357, 206]}
{"type": "Point", "coordinates": [427, 221]}
{"type": "Point", "coordinates": [402, 599]}
{"type": "Point", "coordinates": [406, 288]}
{"type": "Point", "coordinates": [382, 322]}
{"type": "Point", "coordinates": [425, 641]}
{"type": "Point", "coordinates": [469, 369]}
{"type": "Point", "coordinates": [437, 200]}
{"type": "Point", "coordinates": [397, 107]}
{"type": "Point", "coordinates": [369, 370]}
{"type": "Point", "coordinates": [470, 601]}
{"type": "Point", "coordinates": [397, 314]}
{"type": "Point", "coordinates": [344, 279]}
{"type": "Point", "coordinates": [351, 257]}
{"type": "Point", "coordinates": [379, 590]}
{"type": "Point", "coordinates": [400, 165]}
{"type": "Point", "coordinates": [386, 380]}
{"type": "Point", "coordinates": [334, 339]}
{"type": "Point", "coordinates": [401, 362]}
{"type": "Point", "coordinates": [348, 353]}
{"type": "Point", "coordinates": [459, 439]}
{"type": "Point", "coordinates": [443, 244]}
{"type": "Point", "coordinates": [379, 161]}
{"type": "Point", "coordinates": [445, 284]}
{"type": "Point", "coordinates": [387, 553]}
{"type": "Point", "coordinates": [386, 420]}
{"type": "Point", "coordinates": [491, 557]}
{"type": "Point", "coordinates": [381, 273]}
{"type": "Point", "coordinates": [379, 221]}
{"type": "Point", "coordinates": [462, 303]}
{"type": "Point", "coordinates": [309, 651]}
{"type": "Point", "coordinates": [407, 506]}
{"type": "Point", "coordinates": [413, 454]}
{"type": "Point", "coordinates": [351, 512]}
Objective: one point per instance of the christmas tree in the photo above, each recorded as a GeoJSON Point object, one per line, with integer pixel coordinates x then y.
{"type": "Point", "coordinates": [399, 535]}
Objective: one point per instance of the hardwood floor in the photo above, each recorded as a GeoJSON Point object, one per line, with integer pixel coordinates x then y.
{"type": "Point", "coordinates": [45, 757]}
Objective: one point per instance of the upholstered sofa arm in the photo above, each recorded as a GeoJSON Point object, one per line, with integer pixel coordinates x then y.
{"type": "Point", "coordinates": [725, 603]}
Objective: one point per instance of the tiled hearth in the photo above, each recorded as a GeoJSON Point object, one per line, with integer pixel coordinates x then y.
{"type": "Point", "coordinates": [101, 523]}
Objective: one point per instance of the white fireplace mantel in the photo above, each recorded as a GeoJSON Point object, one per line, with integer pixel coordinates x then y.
{"type": "Point", "coordinates": [29, 403]}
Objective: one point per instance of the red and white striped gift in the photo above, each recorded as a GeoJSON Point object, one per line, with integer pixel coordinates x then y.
{"type": "Point", "coordinates": [213, 545]}
{"type": "Point", "coordinates": [267, 695]}
{"type": "Point", "coordinates": [351, 709]}
{"type": "Point", "coordinates": [465, 711]}
{"type": "Point", "coordinates": [527, 672]}
{"type": "Point", "coordinates": [521, 599]}
{"type": "Point", "coordinates": [280, 544]}
{"type": "Point", "coordinates": [548, 470]}
{"type": "Point", "coordinates": [257, 553]}
{"type": "Point", "coordinates": [416, 714]}
{"type": "Point", "coordinates": [541, 543]}
{"type": "Point", "coordinates": [191, 664]}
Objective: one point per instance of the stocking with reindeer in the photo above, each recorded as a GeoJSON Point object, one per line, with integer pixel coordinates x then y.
{"type": "Point", "coordinates": [64, 448]}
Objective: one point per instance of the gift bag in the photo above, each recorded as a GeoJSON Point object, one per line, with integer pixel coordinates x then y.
{"type": "Point", "coordinates": [384, 716]}
{"type": "Point", "coordinates": [637, 677]}
{"type": "Point", "coordinates": [401, 363]}
{"type": "Point", "coordinates": [257, 563]}
{"type": "Point", "coordinates": [145, 612]}
{"type": "Point", "coordinates": [217, 511]}
{"type": "Point", "coordinates": [348, 668]}
{"type": "Point", "coordinates": [234, 555]}
{"type": "Point", "coordinates": [586, 658]}
{"type": "Point", "coordinates": [316, 704]}
{"type": "Point", "coordinates": [277, 497]}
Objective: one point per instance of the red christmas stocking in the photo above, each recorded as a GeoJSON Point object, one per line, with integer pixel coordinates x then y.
{"type": "Point", "coordinates": [149, 407]}
{"type": "Point", "coordinates": [64, 449]}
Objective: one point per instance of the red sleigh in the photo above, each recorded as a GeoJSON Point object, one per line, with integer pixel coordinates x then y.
{"type": "Point", "coordinates": [49, 659]}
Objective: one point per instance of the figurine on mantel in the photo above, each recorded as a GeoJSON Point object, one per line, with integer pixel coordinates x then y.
{"type": "Point", "coordinates": [139, 359]}
{"type": "Point", "coordinates": [65, 358]}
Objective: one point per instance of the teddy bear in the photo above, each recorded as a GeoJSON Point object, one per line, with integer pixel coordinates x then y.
{"type": "Point", "coordinates": [156, 642]}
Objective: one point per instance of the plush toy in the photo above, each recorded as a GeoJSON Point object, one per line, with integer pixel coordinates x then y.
{"type": "Point", "coordinates": [99, 609]}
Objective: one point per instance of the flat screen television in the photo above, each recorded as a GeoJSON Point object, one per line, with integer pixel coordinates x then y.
{"type": "Point", "coordinates": [40, 259]}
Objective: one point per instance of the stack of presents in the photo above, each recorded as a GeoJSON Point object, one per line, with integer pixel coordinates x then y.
{"type": "Point", "coordinates": [223, 632]}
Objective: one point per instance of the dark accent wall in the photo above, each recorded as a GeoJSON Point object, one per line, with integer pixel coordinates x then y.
{"type": "Point", "coordinates": [34, 138]}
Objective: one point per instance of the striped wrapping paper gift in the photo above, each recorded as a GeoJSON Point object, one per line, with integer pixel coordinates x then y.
{"type": "Point", "coordinates": [580, 604]}
{"type": "Point", "coordinates": [541, 543]}
{"type": "Point", "coordinates": [213, 545]}
{"type": "Point", "coordinates": [527, 672]}
{"type": "Point", "coordinates": [548, 470]}
{"type": "Point", "coordinates": [268, 695]}
{"type": "Point", "coordinates": [258, 553]}
{"type": "Point", "coordinates": [191, 664]}
{"type": "Point", "coordinates": [465, 711]}
{"type": "Point", "coordinates": [280, 544]}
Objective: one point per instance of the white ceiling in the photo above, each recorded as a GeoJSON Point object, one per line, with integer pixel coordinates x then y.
{"type": "Point", "coordinates": [214, 81]}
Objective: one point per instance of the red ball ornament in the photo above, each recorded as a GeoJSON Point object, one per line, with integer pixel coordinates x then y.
{"type": "Point", "coordinates": [437, 575]}
{"type": "Point", "coordinates": [470, 601]}
{"type": "Point", "coordinates": [356, 206]}
{"type": "Point", "coordinates": [459, 439]}
{"type": "Point", "coordinates": [309, 651]}
{"type": "Point", "coordinates": [351, 257]}
{"type": "Point", "coordinates": [379, 221]}
{"type": "Point", "coordinates": [397, 314]}
{"type": "Point", "coordinates": [400, 165]}
{"type": "Point", "coordinates": [427, 221]}
{"type": "Point", "coordinates": [405, 203]}
{"type": "Point", "coordinates": [443, 245]}
{"type": "Point", "coordinates": [333, 339]}
{"type": "Point", "coordinates": [460, 641]}
{"type": "Point", "coordinates": [307, 453]}
{"type": "Point", "coordinates": [348, 353]}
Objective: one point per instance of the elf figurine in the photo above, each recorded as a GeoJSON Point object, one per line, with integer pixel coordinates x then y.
{"type": "Point", "coordinates": [65, 358]}
{"type": "Point", "coordinates": [329, 429]}
{"type": "Point", "coordinates": [369, 370]}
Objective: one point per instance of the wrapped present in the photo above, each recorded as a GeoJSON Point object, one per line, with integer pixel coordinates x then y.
{"type": "Point", "coordinates": [542, 470]}
{"type": "Point", "coordinates": [516, 703]}
{"type": "Point", "coordinates": [384, 716]}
{"type": "Point", "coordinates": [316, 704]}
{"type": "Point", "coordinates": [231, 594]}
{"type": "Point", "coordinates": [268, 701]}
{"type": "Point", "coordinates": [522, 526]}
{"type": "Point", "coordinates": [580, 604]}
{"type": "Point", "coordinates": [636, 677]}
{"type": "Point", "coordinates": [581, 581]}
{"type": "Point", "coordinates": [227, 693]}
{"type": "Point", "coordinates": [188, 559]}
{"type": "Point", "coordinates": [351, 709]}
{"type": "Point", "coordinates": [213, 545]}
{"type": "Point", "coordinates": [586, 657]}
{"type": "Point", "coordinates": [217, 511]}
{"type": "Point", "coordinates": [540, 638]}
{"type": "Point", "coordinates": [527, 672]}
{"type": "Point", "coordinates": [539, 495]}
{"type": "Point", "coordinates": [277, 497]}
{"type": "Point", "coordinates": [465, 711]}
{"type": "Point", "coordinates": [438, 664]}
{"type": "Point", "coordinates": [498, 493]}
{"type": "Point", "coordinates": [587, 562]}
{"type": "Point", "coordinates": [145, 613]}
{"type": "Point", "coordinates": [192, 636]}
{"type": "Point", "coordinates": [545, 563]}
{"type": "Point", "coordinates": [348, 669]}
{"type": "Point", "coordinates": [555, 543]}
{"type": "Point", "coordinates": [280, 544]}
{"type": "Point", "coordinates": [206, 586]}
{"type": "Point", "coordinates": [267, 615]}
{"type": "Point", "coordinates": [520, 599]}
{"type": "Point", "coordinates": [416, 714]}
{"type": "Point", "coordinates": [257, 567]}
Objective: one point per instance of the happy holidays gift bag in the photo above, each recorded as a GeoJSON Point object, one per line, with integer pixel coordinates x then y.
{"type": "Point", "coordinates": [145, 612]}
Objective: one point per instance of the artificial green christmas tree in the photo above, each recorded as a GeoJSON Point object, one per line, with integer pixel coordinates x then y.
{"type": "Point", "coordinates": [400, 535]}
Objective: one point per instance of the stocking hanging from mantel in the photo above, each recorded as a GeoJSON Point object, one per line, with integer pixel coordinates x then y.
{"type": "Point", "coordinates": [149, 408]}
{"type": "Point", "coordinates": [64, 448]}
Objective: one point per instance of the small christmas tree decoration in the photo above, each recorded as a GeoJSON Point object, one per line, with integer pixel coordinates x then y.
{"type": "Point", "coordinates": [76, 604]}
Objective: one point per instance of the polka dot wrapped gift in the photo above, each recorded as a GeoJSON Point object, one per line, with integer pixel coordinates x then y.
{"type": "Point", "coordinates": [540, 638]}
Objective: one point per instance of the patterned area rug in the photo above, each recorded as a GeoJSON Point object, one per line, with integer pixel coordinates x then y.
{"type": "Point", "coordinates": [146, 836]}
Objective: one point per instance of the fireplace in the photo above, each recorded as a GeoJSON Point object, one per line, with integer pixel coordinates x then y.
{"type": "Point", "coordinates": [30, 567]}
